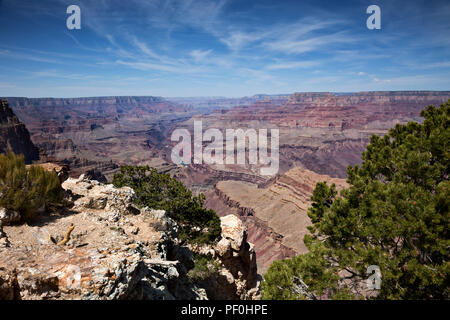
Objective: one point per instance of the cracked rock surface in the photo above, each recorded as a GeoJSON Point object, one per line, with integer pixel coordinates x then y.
{"type": "Point", "coordinates": [115, 251]}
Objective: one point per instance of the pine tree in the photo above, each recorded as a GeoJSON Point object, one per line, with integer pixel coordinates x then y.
{"type": "Point", "coordinates": [394, 215]}
{"type": "Point", "coordinates": [161, 191]}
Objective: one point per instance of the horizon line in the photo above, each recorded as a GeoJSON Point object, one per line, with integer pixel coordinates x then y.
{"type": "Point", "coordinates": [227, 97]}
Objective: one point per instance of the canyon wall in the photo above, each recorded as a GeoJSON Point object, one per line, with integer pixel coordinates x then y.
{"type": "Point", "coordinates": [14, 136]}
{"type": "Point", "coordinates": [325, 132]}
{"type": "Point", "coordinates": [99, 132]}
{"type": "Point", "coordinates": [275, 215]}
{"type": "Point", "coordinates": [214, 103]}
{"type": "Point", "coordinates": [344, 111]}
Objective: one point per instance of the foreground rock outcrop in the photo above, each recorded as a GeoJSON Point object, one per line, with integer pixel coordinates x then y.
{"type": "Point", "coordinates": [109, 249]}
{"type": "Point", "coordinates": [237, 276]}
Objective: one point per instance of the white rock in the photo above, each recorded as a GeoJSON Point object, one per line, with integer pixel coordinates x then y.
{"type": "Point", "coordinates": [223, 247]}
{"type": "Point", "coordinates": [8, 216]}
{"type": "Point", "coordinates": [95, 195]}
{"type": "Point", "coordinates": [233, 230]}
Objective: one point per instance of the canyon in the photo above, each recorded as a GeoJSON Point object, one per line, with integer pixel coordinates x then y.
{"type": "Point", "coordinates": [320, 134]}
{"type": "Point", "coordinates": [324, 132]}
{"type": "Point", "coordinates": [275, 214]}
{"type": "Point", "coordinates": [212, 103]}
{"type": "Point", "coordinates": [100, 133]}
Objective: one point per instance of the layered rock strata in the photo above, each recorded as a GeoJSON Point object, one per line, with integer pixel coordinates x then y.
{"type": "Point", "coordinates": [14, 136]}
{"type": "Point", "coordinates": [276, 214]}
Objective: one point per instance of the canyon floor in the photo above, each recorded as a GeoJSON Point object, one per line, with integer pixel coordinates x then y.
{"type": "Point", "coordinates": [276, 215]}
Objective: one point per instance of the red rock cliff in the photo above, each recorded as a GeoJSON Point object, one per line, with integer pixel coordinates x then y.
{"type": "Point", "coordinates": [14, 136]}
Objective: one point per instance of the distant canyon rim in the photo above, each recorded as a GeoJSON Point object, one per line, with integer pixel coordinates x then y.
{"type": "Point", "coordinates": [320, 134]}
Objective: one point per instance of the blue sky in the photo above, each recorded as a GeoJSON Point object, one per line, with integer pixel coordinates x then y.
{"type": "Point", "coordinates": [229, 48]}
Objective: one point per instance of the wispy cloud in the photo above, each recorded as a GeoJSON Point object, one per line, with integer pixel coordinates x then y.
{"type": "Point", "coordinates": [200, 55]}
{"type": "Point", "coordinates": [62, 75]}
{"type": "Point", "coordinates": [147, 66]}
{"type": "Point", "coordinates": [24, 56]}
{"type": "Point", "coordinates": [236, 46]}
{"type": "Point", "coordinates": [293, 65]}
{"type": "Point", "coordinates": [236, 40]}
{"type": "Point", "coordinates": [307, 44]}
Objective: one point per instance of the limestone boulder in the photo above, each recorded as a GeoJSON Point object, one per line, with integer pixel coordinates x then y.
{"type": "Point", "coordinates": [94, 195]}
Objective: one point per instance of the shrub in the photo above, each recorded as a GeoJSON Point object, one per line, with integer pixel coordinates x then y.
{"type": "Point", "coordinates": [204, 267]}
{"type": "Point", "coordinates": [161, 191]}
{"type": "Point", "coordinates": [27, 191]}
{"type": "Point", "coordinates": [304, 276]}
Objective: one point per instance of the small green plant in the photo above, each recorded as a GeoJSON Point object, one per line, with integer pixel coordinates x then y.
{"type": "Point", "coordinates": [27, 191]}
{"type": "Point", "coordinates": [161, 191]}
{"type": "Point", "coordinates": [204, 267]}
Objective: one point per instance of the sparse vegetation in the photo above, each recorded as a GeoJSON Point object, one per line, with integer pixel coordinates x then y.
{"type": "Point", "coordinates": [204, 267]}
{"type": "Point", "coordinates": [161, 191]}
{"type": "Point", "coordinates": [395, 215]}
{"type": "Point", "coordinates": [27, 191]}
